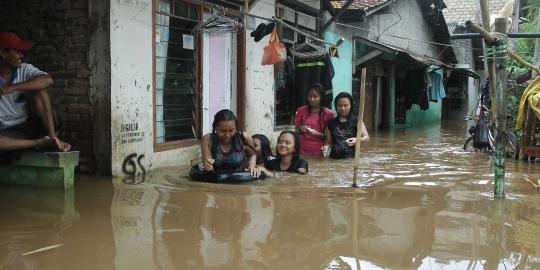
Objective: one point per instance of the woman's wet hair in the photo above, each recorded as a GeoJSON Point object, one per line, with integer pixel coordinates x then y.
{"type": "Point", "coordinates": [228, 115]}
{"type": "Point", "coordinates": [344, 95]}
{"type": "Point", "coordinates": [266, 150]}
{"type": "Point", "coordinates": [296, 154]}
{"type": "Point", "coordinates": [222, 116]}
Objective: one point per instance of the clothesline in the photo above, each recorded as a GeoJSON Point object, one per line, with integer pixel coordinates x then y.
{"type": "Point", "coordinates": [302, 32]}
{"type": "Point", "coordinates": [242, 13]}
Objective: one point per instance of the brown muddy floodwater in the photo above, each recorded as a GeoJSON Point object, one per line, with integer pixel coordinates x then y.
{"type": "Point", "coordinates": [425, 204]}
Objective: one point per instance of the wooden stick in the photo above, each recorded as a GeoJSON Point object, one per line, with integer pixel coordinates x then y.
{"type": "Point", "coordinates": [359, 126]}
{"type": "Point", "coordinates": [42, 249]}
{"type": "Point", "coordinates": [532, 183]}
{"type": "Point", "coordinates": [518, 59]}
{"type": "Point", "coordinates": [479, 29]}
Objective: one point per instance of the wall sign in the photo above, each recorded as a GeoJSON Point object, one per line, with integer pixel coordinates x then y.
{"type": "Point", "coordinates": [129, 133]}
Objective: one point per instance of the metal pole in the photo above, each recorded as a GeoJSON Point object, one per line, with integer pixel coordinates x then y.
{"type": "Point", "coordinates": [501, 54]}
{"type": "Point", "coordinates": [510, 35]}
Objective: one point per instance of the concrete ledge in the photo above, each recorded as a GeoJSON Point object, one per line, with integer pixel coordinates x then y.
{"type": "Point", "coordinates": [44, 169]}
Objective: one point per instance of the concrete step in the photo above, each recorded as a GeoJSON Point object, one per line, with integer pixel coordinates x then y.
{"type": "Point", "coordinates": [44, 169]}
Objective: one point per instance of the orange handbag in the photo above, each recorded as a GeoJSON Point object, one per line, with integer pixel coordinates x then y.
{"type": "Point", "coordinates": [275, 51]}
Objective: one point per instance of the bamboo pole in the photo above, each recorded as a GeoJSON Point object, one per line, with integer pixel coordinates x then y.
{"type": "Point", "coordinates": [359, 126]}
{"type": "Point", "coordinates": [500, 54]}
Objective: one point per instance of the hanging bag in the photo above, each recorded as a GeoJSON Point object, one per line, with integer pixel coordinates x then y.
{"type": "Point", "coordinates": [275, 51]}
{"type": "Point", "coordinates": [481, 134]}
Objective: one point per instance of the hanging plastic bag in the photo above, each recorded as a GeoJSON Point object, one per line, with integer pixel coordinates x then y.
{"type": "Point", "coordinates": [275, 51]}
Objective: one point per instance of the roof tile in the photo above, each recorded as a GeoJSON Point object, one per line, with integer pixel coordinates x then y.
{"type": "Point", "coordinates": [358, 4]}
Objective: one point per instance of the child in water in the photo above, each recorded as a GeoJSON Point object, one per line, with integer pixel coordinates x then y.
{"type": "Point", "coordinates": [227, 148]}
{"type": "Point", "coordinates": [287, 155]}
{"type": "Point", "coordinates": [261, 146]}
{"type": "Point", "coordinates": [311, 120]}
{"type": "Point", "coordinates": [341, 130]}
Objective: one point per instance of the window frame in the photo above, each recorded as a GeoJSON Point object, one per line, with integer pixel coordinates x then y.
{"type": "Point", "coordinates": [177, 144]}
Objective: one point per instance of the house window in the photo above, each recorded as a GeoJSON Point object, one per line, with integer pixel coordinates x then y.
{"type": "Point", "coordinates": [176, 92]}
{"type": "Point", "coordinates": [285, 103]}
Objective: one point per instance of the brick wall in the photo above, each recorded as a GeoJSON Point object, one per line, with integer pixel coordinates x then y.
{"type": "Point", "coordinates": [60, 31]}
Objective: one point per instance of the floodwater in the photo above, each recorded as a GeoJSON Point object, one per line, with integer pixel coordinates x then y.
{"type": "Point", "coordinates": [423, 203]}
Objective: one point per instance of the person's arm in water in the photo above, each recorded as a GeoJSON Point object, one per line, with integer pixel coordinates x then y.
{"type": "Point", "coordinates": [37, 83]}
{"type": "Point", "coordinates": [266, 171]}
{"type": "Point", "coordinates": [302, 166]}
{"type": "Point", "coordinates": [252, 156]}
{"type": "Point", "coordinates": [208, 161]}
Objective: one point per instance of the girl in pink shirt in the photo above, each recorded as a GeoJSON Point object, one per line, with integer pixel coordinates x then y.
{"type": "Point", "coordinates": [311, 120]}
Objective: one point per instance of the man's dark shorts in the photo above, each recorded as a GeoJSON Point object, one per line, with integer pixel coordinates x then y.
{"type": "Point", "coordinates": [31, 129]}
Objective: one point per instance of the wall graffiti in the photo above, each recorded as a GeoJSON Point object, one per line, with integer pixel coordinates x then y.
{"type": "Point", "coordinates": [133, 169]}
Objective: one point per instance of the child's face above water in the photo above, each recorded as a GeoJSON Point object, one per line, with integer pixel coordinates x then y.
{"type": "Point", "coordinates": [285, 144]}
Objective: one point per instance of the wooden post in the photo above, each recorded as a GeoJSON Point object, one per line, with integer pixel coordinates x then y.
{"type": "Point", "coordinates": [490, 64]}
{"type": "Point", "coordinates": [359, 125]}
{"type": "Point", "coordinates": [500, 54]}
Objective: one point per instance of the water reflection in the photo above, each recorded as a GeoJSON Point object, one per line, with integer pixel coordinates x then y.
{"type": "Point", "coordinates": [425, 204]}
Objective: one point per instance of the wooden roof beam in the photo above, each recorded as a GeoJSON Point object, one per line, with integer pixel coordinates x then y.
{"type": "Point", "coordinates": [337, 15]}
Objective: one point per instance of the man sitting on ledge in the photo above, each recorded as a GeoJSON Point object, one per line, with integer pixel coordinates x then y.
{"type": "Point", "coordinates": [22, 126]}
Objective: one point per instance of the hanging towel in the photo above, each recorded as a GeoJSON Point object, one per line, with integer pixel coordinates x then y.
{"type": "Point", "coordinates": [436, 90]}
{"type": "Point", "coordinates": [532, 96]}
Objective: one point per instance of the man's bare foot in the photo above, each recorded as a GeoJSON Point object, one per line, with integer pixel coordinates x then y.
{"type": "Point", "coordinates": [48, 142]}
{"type": "Point", "coordinates": [61, 145]}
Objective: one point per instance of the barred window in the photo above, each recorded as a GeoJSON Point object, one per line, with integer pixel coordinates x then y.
{"type": "Point", "coordinates": [176, 52]}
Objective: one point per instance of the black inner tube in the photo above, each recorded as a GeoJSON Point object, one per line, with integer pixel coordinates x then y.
{"type": "Point", "coordinates": [222, 176]}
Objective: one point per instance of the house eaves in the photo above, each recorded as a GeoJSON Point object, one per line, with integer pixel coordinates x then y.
{"type": "Point", "coordinates": [422, 60]}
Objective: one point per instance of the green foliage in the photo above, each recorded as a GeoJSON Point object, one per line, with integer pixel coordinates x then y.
{"type": "Point", "coordinates": [525, 49]}
{"type": "Point", "coordinates": [514, 95]}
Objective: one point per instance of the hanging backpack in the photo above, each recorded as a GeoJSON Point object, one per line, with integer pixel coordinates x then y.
{"type": "Point", "coordinates": [481, 134]}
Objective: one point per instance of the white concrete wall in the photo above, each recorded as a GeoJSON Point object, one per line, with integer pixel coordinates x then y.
{"type": "Point", "coordinates": [260, 90]}
{"type": "Point", "coordinates": [132, 88]}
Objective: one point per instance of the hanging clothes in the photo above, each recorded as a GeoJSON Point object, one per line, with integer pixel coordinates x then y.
{"type": "Point", "coordinates": [415, 89]}
{"type": "Point", "coordinates": [313, 70]}
{"type": "Point", "coordinates": [531, 95]}
{"type": "Point", "coordinates": [435, 86]}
